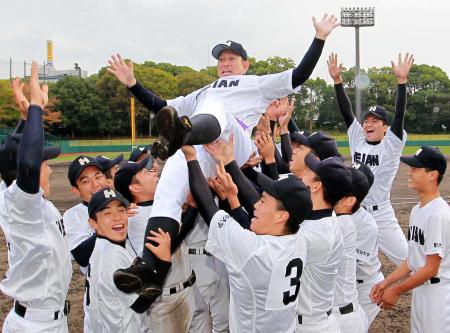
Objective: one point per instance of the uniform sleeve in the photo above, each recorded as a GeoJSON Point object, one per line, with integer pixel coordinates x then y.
{"type": "Point", "coordinates": [74, 231]}
{"type": "Point", "coordinates": [393, 145]}
{"type": "Point", "coordinates": [366, 242]}
{"type": "Point", "coordinates": [274, 86]}
{"type": "Point", "coordinates": [355, 133]}
{"type": "Point", "coordinates": [433, 235]}
{"type": "Point", "coordinates": [229, 242]}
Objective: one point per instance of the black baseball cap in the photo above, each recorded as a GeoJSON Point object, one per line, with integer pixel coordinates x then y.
{"type": "Point", "coordinates": [291, 191]}
{"type": "Point", "coordinates": [78, 165]}
{"type": "Point", "coordinates": [125, 174]}
{"type": "Point", "coordinates": [379, 112]}
{"type": "Point", "coordinates": [137, 152]}
{"type": "Point", "coordinates": [427, 157]}
{"type": "Point", "coordinates": [8, 152]}
{"type": "Point", "coordinates": [229, 45]}
{"type": "Point", "coordinates": [360, 184]}
{"type": "Point", "coordinates": [334, 174]}
{"type": "Point", "coordinates": [298, 139]}
{"type": "Point", "coordinates": [365, 169]}
{"type": "Point", "coordinates": [106, 163]}
{"type": "Point", "coordinates": [323, 145]}
{"type": "Point", "coordinates": [102, 198]}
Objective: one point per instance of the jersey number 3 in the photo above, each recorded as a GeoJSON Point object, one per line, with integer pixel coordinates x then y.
{"type": "Point", "coordinates": [295, 280]}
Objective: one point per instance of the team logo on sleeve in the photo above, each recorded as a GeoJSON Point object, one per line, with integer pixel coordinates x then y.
{"type": "Point", "coordinates": [222, 220]}
{"type": "Point", "coordinates": [109, 194]}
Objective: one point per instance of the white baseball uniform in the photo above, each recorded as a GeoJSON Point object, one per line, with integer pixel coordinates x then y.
{"type": "Point", "coordinates": [346, 308]}
{"type": "Point", "coordinates": [325, 250]}
{"type": "Point", "coordinates": [40, 268]}
{"type": "Point", "coordinates": [383, 159]}
{"type": "Point", "coordinates": [368, 265]}
{"type": "Point", "coordinates": [109, 309]}
{"type": "Point", "coordinates": [428, 234]}
{"type": "Point", "coordinates": [237, 102]}
{"type": "Point", "coordinates": [78, 230]}
{"type": "Point", "coordinates": [136, 227]}
{"type": "Point", "coordinates": [212, 277]}
{"type": "Point", "coordinates": [264, 273]}
{"type": "Point", "coordinates": [3, 186]}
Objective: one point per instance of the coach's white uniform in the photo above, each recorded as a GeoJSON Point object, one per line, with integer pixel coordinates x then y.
{"type": "Point", "coordinates": [368, 265]}
{"type": "Point", "coordinates": [109, 309]}
{"type": "Point", "coordinates": [264, 274]}
{"type": "Point", "coordinates": [383, 159]}
{"type": "Point", "coordinates": [237, 102]}
{"type": "Point", "coordinates": [212, 276]}
{"type": "Point", "coordinates": [40, 269]}
{"type": "Point", "coordinates": [325, 250]}
{"type": "Point", "coordinates": [351, 317]}
{"type": "Point", "coordinates": [428, 234]}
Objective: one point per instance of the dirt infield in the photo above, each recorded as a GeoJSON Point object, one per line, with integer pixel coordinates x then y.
{"type": "Point", "coordinates": [396, 320]}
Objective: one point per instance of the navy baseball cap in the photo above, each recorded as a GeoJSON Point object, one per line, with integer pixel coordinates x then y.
{"type": "Point", "coordinates": [78, 165]}
{"type": "Point", "coordinates": [379, 112]}
{"type": "Point", "coordinates": [229, 45]}
{"type": "Point", "coordinates": [106, 163]}
{"type": "Point", "coordinates": [125, 174]}
{"type": "Point", "coordinates": [296, 138]}
{"type": "Point", "coordinates": [365, 170]}
{"type": "Point", "coordinates": [291, 191]}
{"type": "Point", "coordinates": [323, 145]}
{"type": "Point", "coordinates": [333, 173]}
{"type": "Point", "coordinates": [136, 153]}
{"type": "Point", "coordinates": [8, 152]}
{"type": "Point", "coordinates": [427, 157]}
{"type": "Point", "coordinates": [360, 184]}
{"type": "Point", "coordinates": [102, 198]}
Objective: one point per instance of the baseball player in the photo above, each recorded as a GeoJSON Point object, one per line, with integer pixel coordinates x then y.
{"type": "Point", "coordinates": [427, 269]}
{"type": "Point", "coordinates": [40, 269]}
{"type": "Point", "coordinates": [379, 146]}
{"type": "Point", "coordinates": [368, 265]}
{"type": "Point", "coordinates": [110, 309]}
{"type": "Point", "coordinates": [109, 167]}
{"type": "Point", "coordinates": [329, 181]}
{"type": "Point", "coordinates": [231, 104]}
{"type": "Point", "coordinates": [138, 154]}
{"type": "Point", "coordinates": [265, 264]}
{"type": "Point", "coordinates": [346, 308]}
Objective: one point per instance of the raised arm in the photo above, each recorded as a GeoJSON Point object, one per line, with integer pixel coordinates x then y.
{"type": "Point", "coordinates": [30, 150]}
{"type": "Point", "coordinates": [21, 102]}
{"type": "Point", "coordinates": [345, 106]}
{"type": "Point", "coordinates": [284, 120]}
{"type": "Point", "coordinates": [125, 74]}
{"type": "Point", "coordinates": [323, 28]}
{"type": "Point", "coordinates": [401, 71]}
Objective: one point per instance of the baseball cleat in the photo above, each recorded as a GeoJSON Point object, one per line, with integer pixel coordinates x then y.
{"type": "Point", "coordinates": [136, 279]}
{"type": "Point", "coordinates": [172, 131]}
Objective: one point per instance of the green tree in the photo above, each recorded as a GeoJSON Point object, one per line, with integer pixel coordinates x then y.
{"type": "Point", "coordinates": [9, 112]}
{"type": "Point", "coordinates": [189, 82]}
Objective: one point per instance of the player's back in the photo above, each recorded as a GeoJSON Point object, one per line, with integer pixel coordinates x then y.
{"type": "Point", "coordinates": [136, 227]}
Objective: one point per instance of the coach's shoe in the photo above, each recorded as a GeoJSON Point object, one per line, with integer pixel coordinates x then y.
{"type": "Point", "coordinates": [176, 131]}
{"type": "Point", "coordinates": [137, 278]}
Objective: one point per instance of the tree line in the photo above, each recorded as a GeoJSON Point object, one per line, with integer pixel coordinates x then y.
{"type": "Point", "coordinates": [99, 106]}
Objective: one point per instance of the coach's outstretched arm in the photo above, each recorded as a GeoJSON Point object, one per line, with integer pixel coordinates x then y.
{"type": "Point", "coordinates": [30, 150]}
{"type": "Point", "coordinates": [323, 28]}
{"type": "Point", "coordinates": [125, 74]}
{"type": "Point", "coordinates": [345, 106]}
{"type": "Point", "coordinates": [401, 71]}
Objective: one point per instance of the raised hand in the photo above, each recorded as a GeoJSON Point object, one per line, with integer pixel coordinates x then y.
{"type": "Point", "coordinates": [266, 147]}
{"type": "Point", "coordinates": [19, 97]}
{"type": "Point", "coordinates": [162, 250]}
{"type": "Point", "coordinates": [401, 70]}
{"type": "Point", "coordinates": [252, 161]}
{"type": "Point", "coordinates": [334, 69]}
{"type": "Point", "coordinates": [218, 188]}
{"type": "Point", "coordinates": [38, 94]}
{"type": "Point", "coordinates": [189, 152]}
{"type": "Point", "coordinates": [273, 111]}
{"type": "Point", "coordinates": [325, 26]}
{"type": "Point", "coordinates": [221, 151]}
{"type": "Point", "coordinates": [288, 108]}
{"type": "Point", "coordinates": [263, 124]}
{"type": "Point", "coordinates": [225, 180]}
{"type": "Point", "coordinates": [122, 71]}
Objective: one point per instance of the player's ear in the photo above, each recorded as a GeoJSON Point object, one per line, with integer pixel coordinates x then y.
{"type": "Point", "coordinates": [75, 191]}
{"type": "Point", "coordinates": [134, 188]}
{"type": "Point", "coordinates": [246, 65]}
{"type": "Point", "coordinates": [93, 223]}
{"type": "Point", "coordinates": [284, 216]}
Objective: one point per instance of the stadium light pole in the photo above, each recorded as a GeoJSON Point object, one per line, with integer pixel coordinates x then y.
{"type": "Point", "coordinates": [357, 17]}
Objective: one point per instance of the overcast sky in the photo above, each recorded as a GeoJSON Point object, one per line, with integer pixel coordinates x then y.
{"type": "Point", "coordinates": [183, 32]}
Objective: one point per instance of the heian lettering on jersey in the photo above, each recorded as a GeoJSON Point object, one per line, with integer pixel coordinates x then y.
{"type": "Point", "coordinates": [371, 160]}
{"type": "Point", "coordinates": [363, 253]}
{"type": "Point", "coordinates": [416, 234]}
{"type": "Point", "coordinates": [225, 83]}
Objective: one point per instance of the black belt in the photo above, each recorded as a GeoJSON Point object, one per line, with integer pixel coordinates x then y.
{"type": "Point", "coordinates": [21, 310]}
{"type": "Point", "coordinates": [300, 318]}
{"type": "Point", "coordinates": [360, 281]}
{"type": "Point", "coordinates": [190, 282]}
{"type": "Point", "coordinates": [198, 251]}
{"type": "Point", "coordinates": [371, 207]}
{"type": "Point", "coordinates": [346, 309]}
{"type": "Point", "coordinates": [435, 280]}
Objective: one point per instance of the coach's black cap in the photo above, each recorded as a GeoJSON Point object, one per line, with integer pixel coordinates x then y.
{"type": "Point", "coordinates": [137, 152]}
{"type": "Point", "coordinates": [379, 112]}
{"type": "Point", "coordinates": [365, 170]}
{"type": "Point", "coordinates": [229, 45]}
{"type": "Point", "coordinates": [333, 173]}
{"type": "Point", "coordinates": [291, 191]}
{"type": "Point", "coordinates": [102, 198]}
{"type": "Point", "coordinates": [427, 157]}
{"type": "Point", "coordinates": [124, 175]}
{"type": "Point", "coordinates": [106, 163]}
{"type": "Point", "coordinates": [8, 152]}
{"type": "Point", "coordinates": [360, 184]}
{"type": "Point", "coordinates": [323, 145]}
{"type": "Point", "coordinates": [78, 165]}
